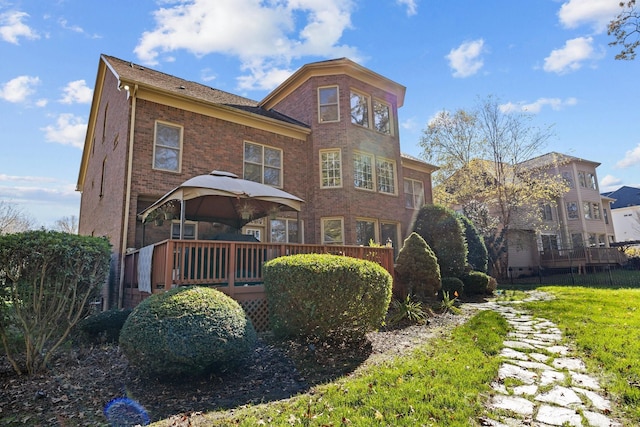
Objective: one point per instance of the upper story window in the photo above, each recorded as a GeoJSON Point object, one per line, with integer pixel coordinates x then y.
{"type": "Point", "coordinates": [328, 106]}
{"type": "Point", "coordinates": [587, 180]}
{"type": "Point", "coordinates": [568, 178]}
{"type": "Point", "coordinates": [263, 164]}
{"type": "Point", "coordinates": [359, 109]}
{"type": "Point", "coordinates": [386, 176]}
{"type": "Point", "coordinates": [546, 212]}
{"type": "Point", "coordinates": [586, 209]}
{"type": "Point", "coordinates": [413, 193]}
{"type": "Point", "coordinates": [363, 171]}
{"type": "Point", "coordinates": [595, 209]}
{"type": "Point", "coordinates": [381, 117]}
{"type": "Point", "coordinates": [167, 147]}
{"type": "Point", "coordinates": [330, 169]}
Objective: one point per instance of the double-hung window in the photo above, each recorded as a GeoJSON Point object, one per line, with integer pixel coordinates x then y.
{"type": "Point", "coordinates": [413, 193]}
{"type": "Point", "coordinates": [572, 210]}
{"type": "Point", "coordinates": [359, 109]}
{"type": "Point", "coordinates": [363, 171]}
{"type": "Point", "coordinates": [263, 164]}
{"type": "Point", "coordinates": [330, 169]}
{"type": "Point", "coordinates": [546, 212]}
{"type": "Point", "coordinates": [328, 106]}
{"type": "Point", "coordinates": [285, 230]}
{"type": "Point", "coordinates": [381, 117]}
{"type": "Point", "coordinates": [386, 176]}
{"type": "Point", "coordinates": [586, 210]}
{"type": "Point", "coordinates": [167, 147]}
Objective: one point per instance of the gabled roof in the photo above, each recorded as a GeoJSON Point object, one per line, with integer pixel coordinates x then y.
{"type": "Point", "coordinates": [624, 197]}
{"type": "Point", "coordinates": [130, 73]}
{"type": "Point", "coordinates": [554, 158]}
{"type": "Point", "coordinates": [334, 67]}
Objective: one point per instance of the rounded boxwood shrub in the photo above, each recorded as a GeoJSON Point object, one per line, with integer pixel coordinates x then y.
{"type": "Point", "coordinates": [320, 296]}
{"type": "Point", "coordinates": [186, 331]}
{"type": "Point", "coordinates": [451, 285]}
{"type": "Point", "coordinates": [105, 325]}
{"type": "Point", "coordinates": [475, 283]}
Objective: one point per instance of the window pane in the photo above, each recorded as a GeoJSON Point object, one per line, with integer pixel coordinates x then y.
{"type": "Point", "coordinates": [386, 176]}
{"type": "Point", "coordinates": [278, 231]}
{"type": "Point", "coordinates": [252, 153]}
{"type": "Point", "coordinates": [362, 171]}
{"type": "Point", "coordinates": [167, 136]}
{"type": "Point", "coordinates": [582, 180]}
{"type": "Point", "coordinates": [166, 159]}
{"type": "Point", "coordinates": [359, 109]}
{"type": "Point", "coordinates": [568, 179]}
{"type": "Point", "coordinates": [388, 233]}
{"type": "Point", "coordinates": [272, 157]}
{"type": "Point", "coordinates": [365, 232]}
{"type": "Point", "coordinates": [252, 172]}
{"type": "Point", "coordinates": [328, 104]}
{"type": "Point", "coordinates": [292, 232]}
{"type": "Point", "coordinates": [332, 231]}
{"type": "Point", "coordinates": [596, 211]}
{"type": "Point", "coordinates": [586, 208]}
{"type": "Point", "coordinates": [331, 169]}
{"type": "Point", "coordinates": [572, 210]}
{"type": "Point", "coordinates": [418, 192]}
{"type": "Point", "coordinates": [381, 117]}
{"type": "Point", "coordinates": [272, 176]}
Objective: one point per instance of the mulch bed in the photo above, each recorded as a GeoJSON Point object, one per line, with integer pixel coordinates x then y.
{"type": "Point", "coordinates": [81, 381]}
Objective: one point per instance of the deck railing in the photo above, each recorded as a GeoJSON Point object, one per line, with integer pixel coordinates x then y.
{"type": "Point", "coordinates": [234, 268]}
{"type": "Point", "coordinates": [583, 257]}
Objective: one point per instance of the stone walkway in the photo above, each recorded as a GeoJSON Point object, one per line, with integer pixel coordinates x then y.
{"type": "Point", "coordinates": [540, 384]}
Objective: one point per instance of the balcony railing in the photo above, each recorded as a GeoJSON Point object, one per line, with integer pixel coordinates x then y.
{"type": "Point", "coordinates": [235, 268]}
{"type": "Point", "coordinates": [584, 257]}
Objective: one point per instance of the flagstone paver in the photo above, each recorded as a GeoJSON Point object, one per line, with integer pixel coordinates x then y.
{"type": "Point", "coordinates": [549, 386]}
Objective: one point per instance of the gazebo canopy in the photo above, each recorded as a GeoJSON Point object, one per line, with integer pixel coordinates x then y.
{"type": "Point", "coordinates": [223, 197]}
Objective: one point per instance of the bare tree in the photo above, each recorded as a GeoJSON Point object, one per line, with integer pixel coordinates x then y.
{"type": "Point", "coordinates": [484, 157]}
{"type": "Point", "coordinates": [67, 224]}
{"type": "Point", "coordinates": [626, 29]}
{"type": "Point", "coordinates": [13, 219]}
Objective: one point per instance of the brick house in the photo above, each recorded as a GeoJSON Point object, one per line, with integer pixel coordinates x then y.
{"type": "Point", "coordinates": [328, 135]}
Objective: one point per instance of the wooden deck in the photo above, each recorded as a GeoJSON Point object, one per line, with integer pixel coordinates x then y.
{"type": "Point", "coordinates": [234, 268]}
{"type": "Point", "coordinates": [582, 258]}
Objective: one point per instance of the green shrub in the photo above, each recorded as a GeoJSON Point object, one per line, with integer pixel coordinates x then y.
{"type": "Point", "coordinates": [475, 283]}
{"type": "Point", "coordinates": [104, 326]}
{"type": "Point", "coordinates": [47, 279]}
{"type": "Point", "coordinates": [186, 331]}
{"type": "Point", "coordinates": [478, 256]}
{"type": "Point", "coordinates": [417, 268]}
{"type": "Point", "coordinates": [406, 310]}
{"type": "Point", "coordinates": [452, 285]}
{"type": "Point", "coordinates": [320, 296]}
{"type": "Point", "coordinates": [440, 228]}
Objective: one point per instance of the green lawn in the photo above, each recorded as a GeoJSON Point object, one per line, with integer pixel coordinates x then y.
{"type": "Point", "coordinates": [604, 324]}
{"type": "Point", "coordinates": [441, 384]}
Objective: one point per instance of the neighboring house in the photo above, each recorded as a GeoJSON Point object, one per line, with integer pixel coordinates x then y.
{"type": "Point", "coordinates": [625, 213]}
{"type": "Point", "coordinates": [572, 227]}
{"type": "Point", "coordinates": [328, 135]}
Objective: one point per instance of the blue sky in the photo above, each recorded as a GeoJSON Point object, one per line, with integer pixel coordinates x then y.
{"type": "Point", "coordinates": [549, 58]}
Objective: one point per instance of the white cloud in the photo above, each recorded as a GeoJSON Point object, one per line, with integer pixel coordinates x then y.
{"type": "Point", "coordinates": [412, 6]}
{"type": "Point", "coordinates": [631, 158]}
{"type": "Point", "coordinates": [68, 130]}
{"type": "Point", "coordinates": [536, 106]}
{"type": "Point", "coordinates": [12, 27]}
{"type": "Point", "coordinates": [77, 92]}
{"type": "Point", "coordinates": [610, 183]}
{"type": "Point", "coordinates": [465, 60]}
{"type": "Point", "coordinates": [19, 89]}
{"type": "Point", "coordinates": [596, 13]}
{"type": "Point", "coordinates": [571, 56]}
{"type": "Point", "coordinates": [263, 35]}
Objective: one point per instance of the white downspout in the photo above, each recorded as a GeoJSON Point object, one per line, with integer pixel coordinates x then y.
{"type": "Point", "coordinates": [127, 205]}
